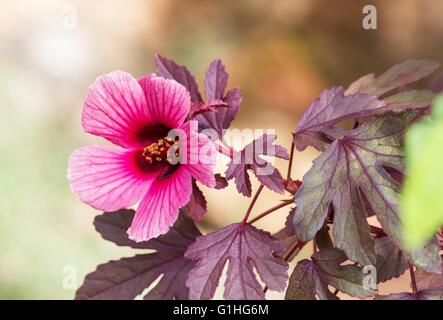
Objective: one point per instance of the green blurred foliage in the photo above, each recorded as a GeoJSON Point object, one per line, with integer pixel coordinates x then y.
{"type": "Point", "coordinates": [422, 198]}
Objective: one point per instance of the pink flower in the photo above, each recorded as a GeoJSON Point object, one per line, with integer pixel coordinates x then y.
{"type": "Point", "coordinates": [137, 116]}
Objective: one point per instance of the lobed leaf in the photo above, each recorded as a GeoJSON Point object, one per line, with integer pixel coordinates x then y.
{"type": "Point", "coordinates": [305, 283]}
{"type": "Point", "coordinates": [391, 262]}
{"type": "Point", "coordinates": [428, 280]}
{"type": "Point", "coordinates": [128, 277]}
{"type": "Point", "coordinates": [246, 248]}
{"type": "Point", "coordinates": [250, 157]}
{"type": "Point", "coordinates": [169, 69]}
{"type": "Point", "coordinates": [350, 168]}
{"type": "Point", "coordinates": [196, 207]}
{"type": "Point", "coordinates": [216, 81]}
{"type": "Point", "coordinates": [330, 108]}
{"type": "Point", "coordinates": [400, 75]}
{"type": "Point", "coordinates": [346, 278]}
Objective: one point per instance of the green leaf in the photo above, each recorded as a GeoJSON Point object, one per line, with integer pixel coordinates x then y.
{"type": "Point", "coordinates": [422, 197]}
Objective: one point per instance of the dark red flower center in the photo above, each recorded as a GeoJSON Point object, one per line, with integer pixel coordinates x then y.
{"type": "Point", "coordinates": [161, 151]}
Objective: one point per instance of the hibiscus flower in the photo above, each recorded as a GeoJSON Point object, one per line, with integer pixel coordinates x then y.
{"type": "Point", "coordinates": [138, 116]}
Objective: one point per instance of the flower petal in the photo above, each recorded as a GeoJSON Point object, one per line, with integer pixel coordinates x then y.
{"type": "Point", "coordinates": [115, 108]}
{"type": "Point", "coordinates": [107, 178]}
{"type": "Point", "coordinates": [201, 154]}
{"type": "Point", "coordinates": [167, 100]}
{"type": "Point", "coordinates": [159, 208]}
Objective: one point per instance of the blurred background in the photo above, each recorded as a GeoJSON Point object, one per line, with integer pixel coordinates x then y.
{"type": "Point", "coordinates": [282, 54]}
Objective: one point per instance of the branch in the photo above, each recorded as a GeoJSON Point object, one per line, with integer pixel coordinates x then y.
{"type": "Point", "coordinates": [265, 213]}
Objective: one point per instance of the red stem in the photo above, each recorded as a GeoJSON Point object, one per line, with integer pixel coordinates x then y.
{"type": "Point", "coordinates": [413, 281]}
{"type": "Point", "coordinates": [265, 213]}
{"type": "Point", "coordinates": [291, 156]}
{"type": "Point", "coordinates": [251, 205]}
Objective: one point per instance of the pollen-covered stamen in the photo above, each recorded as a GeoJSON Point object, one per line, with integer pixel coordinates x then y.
{"type": "Point", "coordinates": [161, 151]}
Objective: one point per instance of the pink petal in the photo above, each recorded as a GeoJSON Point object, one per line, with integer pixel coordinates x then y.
{"type": "Point", "coordinates": [159, 209]}
{"type": "Point", "coordinates": [168, 101]}
{"type": "Point", "coordinates": [107, 178]}
{"type": "Point", "coordinates": [201, 154]}
{"type": "Point", "coordinates": [115, 108]}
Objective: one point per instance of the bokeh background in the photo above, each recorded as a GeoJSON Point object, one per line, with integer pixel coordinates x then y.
{"type": "Point", "coordinates": [280, 53]}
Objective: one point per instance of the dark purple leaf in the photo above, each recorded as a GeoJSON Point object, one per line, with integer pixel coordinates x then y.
{"type": "Point", "coordinates": [251, 158]}
{"type": "Point", "coordinates": [128, 277]}
{"type": "Point", "coordinates": [196, 207]}
{"type": "Point", "coordinates": [352, 166]}
{"type": "Point", "coordinates": [391, 262]}
{"type": "Point", "coordinates": [216, 81]}
{"type": "Point", "coordinates": [330, 108]}
{"type": "Point", "coordinates": [400, 75]}
{"type": "Point", "coordinates": [289, 230]}
{"type": "Point", "coordinates": [169, 69]}
{"type": "Point", "coordinates": [428, 294]}
{"type": "Point", "coordinates": [323, 238]}
{"type": "Point", "coordinates": [220, 181]}
{"type": "Point", "coordinates": [197, 108]}
{"type": "Point", "coordinates": [112, 226]}
{"type": "Point", "coordinates": [241, 176]}
{"type": "Point", "coordinates": [427, 280]}
{"type": "Point", "coordinates": [305, 283]}
{"type": "Point", "coordinates": [221, 118]}
{"type": "Point", "coordinates": [346, 278]}
{"type": "Point", "coordinates": [246, 248]}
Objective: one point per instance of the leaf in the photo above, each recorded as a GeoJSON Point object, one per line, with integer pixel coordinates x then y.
{"type": "Point", "coordinates": [250, 157]}
{"type": "Point", "coordinates": [330, 108]}
{"type": "Point", "coordinates": [169, 69]}
{"type": "Point", "coordinates": [412, 99]}
{"type": "Point", "coordinates": [323, 239]}
{"type": "Point", "coordinates": [128, 277]}
{"type": "Point", "coordinates": [357, 85]}
{"type": "Point", "coordinates": [427, 280]}
{"type": "Point", "coordinates": [246, 248]}
{"type": "Point", "coordinates": [305, 283]}
{"type": "Point", "coordinates": [220, 119]}
{"type": "Point", "coordinates": [216, 81]}
{"type": "Point", "coordinates": [428, 294]}
{"type": "Point", "coordinates": [422, 197]}
{"type": "Point", "coordinates": [220, 181]}
{"type": "Point", "coordinates": [391, 262]}
{"type": "Point", "coordinates": [400, 75]}
{"type": "Point", "coordinates": [196, 207]}
{"type": "Point", "coordinates": [197, 108]}
{"type": "Point", "coordinates": [346, 278]}
{"type": "Point", "coordinates": [349, 168]}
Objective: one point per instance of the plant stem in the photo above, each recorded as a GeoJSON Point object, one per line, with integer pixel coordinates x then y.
{"type": "Point", "coordinates": [265, 213]}
{"type": "Point", "coordinates": [291, 156]}
{"type": "Point", "coordinates": [413, 281]}
{"type": "Point", "coordinates": [251, 205]}
{"type": "Point", "coordinates": [294, 248]}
